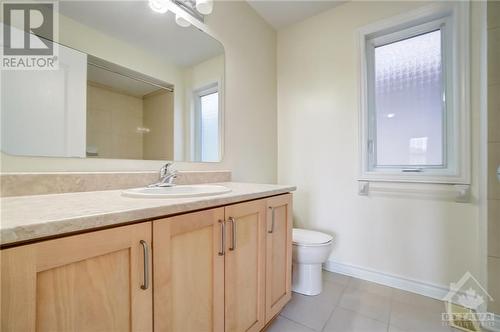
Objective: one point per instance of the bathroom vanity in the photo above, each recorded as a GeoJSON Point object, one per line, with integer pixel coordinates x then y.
{"type": "Point", "coordinates": [100, 261]}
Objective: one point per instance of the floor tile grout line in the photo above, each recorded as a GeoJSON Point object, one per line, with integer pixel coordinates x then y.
{"type": "Point", "coordinates": [365, 316]}
{"type": "Point", "coordinates": [390, 297]}
{"type": "Point", "coordinates": [328, 319]}
{"type": "Point", "coordinates": [346, 286]}
{"type": "Point", "coordinates": [385, 297]}
{"type": "Point", "coordinates": [335, 307]}
{"type": "Point", "coordinates": [307, 327]}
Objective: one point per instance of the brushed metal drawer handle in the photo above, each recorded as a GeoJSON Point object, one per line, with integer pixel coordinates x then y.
{"type": "Point", "coordinates": [145, 251]}
{"type": "Point", "coordinates": [222, 251]}
{"type": "Point", "coordinates": [233, 237]}
{"type": "Point", "coordinates": [272, 219]}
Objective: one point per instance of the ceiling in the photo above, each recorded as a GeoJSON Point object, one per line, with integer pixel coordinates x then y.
{"type": "Point", "coordinates": [135, 23]}
{"type": "Point", "coordinates": [160, 35]}
{"type": "Point", "coordinates": [282, 13]}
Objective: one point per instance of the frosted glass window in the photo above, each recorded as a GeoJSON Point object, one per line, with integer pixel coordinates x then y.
{"type": "Point", "coordinates": [409, 102]}
{"type": "Point", "coordinates": [414, 107]}
{"type": "Point", "coordinates": [209, 127]}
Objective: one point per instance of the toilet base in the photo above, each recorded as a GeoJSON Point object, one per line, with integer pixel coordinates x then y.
{"type": "Point", "coordinates": [307, 279]}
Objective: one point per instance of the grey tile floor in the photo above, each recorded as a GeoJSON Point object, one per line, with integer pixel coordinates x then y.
{"type": "Point", "coordinates": [353, 305]}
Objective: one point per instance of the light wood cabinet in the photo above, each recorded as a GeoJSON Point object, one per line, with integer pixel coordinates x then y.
{"type": "Point", "coordinates": [226, 269]}
{"type": "Point", "coordinates": [88, 282]}
{"type": "Point", "coordinates": [209, 270]}
{"type": "Point", "coordinates": [189, 272]}
{"type": "Point", "coordinates": [278, 254]}
{"type": "Point", "coordinates": [245, 266]}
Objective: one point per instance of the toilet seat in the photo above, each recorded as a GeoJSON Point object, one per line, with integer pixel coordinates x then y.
{"type": "Point", "coordinates": [308, 238]}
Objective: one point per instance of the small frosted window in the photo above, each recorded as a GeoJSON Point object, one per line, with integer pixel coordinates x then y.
{"type": "Point", "coordinates": [210, 127]}
{"type": "Point", "coordinates": [409, 102]}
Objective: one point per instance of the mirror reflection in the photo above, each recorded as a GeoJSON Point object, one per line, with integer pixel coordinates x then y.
{"type": "Point", "coordinates": [137, 86]}
{"type": "Point", "coordinates": [128, 117]}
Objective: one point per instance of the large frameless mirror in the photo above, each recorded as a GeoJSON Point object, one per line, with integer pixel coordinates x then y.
{"type": "Point", "coordinates": [131, 83]}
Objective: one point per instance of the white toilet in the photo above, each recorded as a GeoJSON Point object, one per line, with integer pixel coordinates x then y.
{"type": "Point", "coordinates": [310, 250]}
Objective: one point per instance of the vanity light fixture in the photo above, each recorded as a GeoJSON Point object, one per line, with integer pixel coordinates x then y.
{"type": "Point", "coordinates": [205, 7]}
{"type": "Point", "coordinates": [181, 21]}
{"type": "Point", "coordinates": [159, 6]}
{"type": "Point", "coordinates": [196, 8]}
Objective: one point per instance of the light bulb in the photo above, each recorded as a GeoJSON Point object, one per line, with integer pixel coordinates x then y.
{"type": "Point", "coordinates": [181, 21]}
{"type": "Point", "coordinates": [158, 6]}
{"type": "Point", "coordinates": [205, 7]}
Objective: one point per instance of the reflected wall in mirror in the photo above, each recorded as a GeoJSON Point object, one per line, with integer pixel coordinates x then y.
{"type": "Point", "coordinates": [137, 86]}
{"type": "Point", "coordinates": [129, 115]}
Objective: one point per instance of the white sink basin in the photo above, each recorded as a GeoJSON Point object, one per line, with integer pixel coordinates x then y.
{"type": "Point", "coordinates": [198, 190]}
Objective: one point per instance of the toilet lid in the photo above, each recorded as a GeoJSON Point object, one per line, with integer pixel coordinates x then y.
{"type": "Point", "coordinates": [307, 237]}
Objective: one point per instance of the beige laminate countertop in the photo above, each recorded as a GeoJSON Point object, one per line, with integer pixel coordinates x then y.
{"type": "Point", "coordinates": [26, 218]}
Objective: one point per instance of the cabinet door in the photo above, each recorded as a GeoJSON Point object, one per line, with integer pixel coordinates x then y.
{"type": "Point", "coordinates": [245, 266]}
{"type": "Point", "coordinates": [88, 282]}
{"type": "Point", "coordinates": [278, 254]}
{"type": "Point", "coordinates": [189, 272]}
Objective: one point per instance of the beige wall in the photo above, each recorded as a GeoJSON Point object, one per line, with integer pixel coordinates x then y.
{"type": "Point", "coordinates": [427, 240]}
{"type": "Point", "coordinates": [112, 120]}
{"type": "Point", "coordinates": [158, 117]}
{"type": "Point", "coordinates": [197, 77]}
{"type": "Point", "coordinates": [494, 154]}
{"type": "Point", "coordinates": [250, 105]}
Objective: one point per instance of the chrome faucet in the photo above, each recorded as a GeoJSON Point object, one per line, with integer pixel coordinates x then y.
{"type": "Point", "coordinates": [167, 177]}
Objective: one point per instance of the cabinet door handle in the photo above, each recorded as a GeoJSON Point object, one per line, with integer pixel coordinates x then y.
{"type": "Point", "coordinates": [145, 252]}
{"type": "Point", "coordinates": [233, 237]}
{"type": "Point", "coordinates": [222, 251]}
{"type": "Point", "coordinates": [272, 219]}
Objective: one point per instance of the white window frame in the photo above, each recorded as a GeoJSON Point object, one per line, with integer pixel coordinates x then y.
{"type": "Point", "coordinates": [453, 20]}
{"type": "Point", "coordinates": [198, 94]}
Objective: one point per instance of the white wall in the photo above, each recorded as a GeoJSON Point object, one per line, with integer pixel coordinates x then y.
{"type": "Point", "coordinates": [250, 105]}
{"type": "Point", "coordinates": [427, 240]}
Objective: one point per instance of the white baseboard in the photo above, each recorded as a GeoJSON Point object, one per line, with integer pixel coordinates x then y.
{"type": "Point", "coordinates": [394, 281]}
{"type": "Point", "coordinates": [410, 285]}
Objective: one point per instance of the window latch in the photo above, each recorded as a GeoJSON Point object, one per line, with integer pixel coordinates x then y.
{"type": "Point", "coordinates": [412, 170]}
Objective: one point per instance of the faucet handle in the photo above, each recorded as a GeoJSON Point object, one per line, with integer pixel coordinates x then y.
{"type": "Point", "coordinates": [165, 169]}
